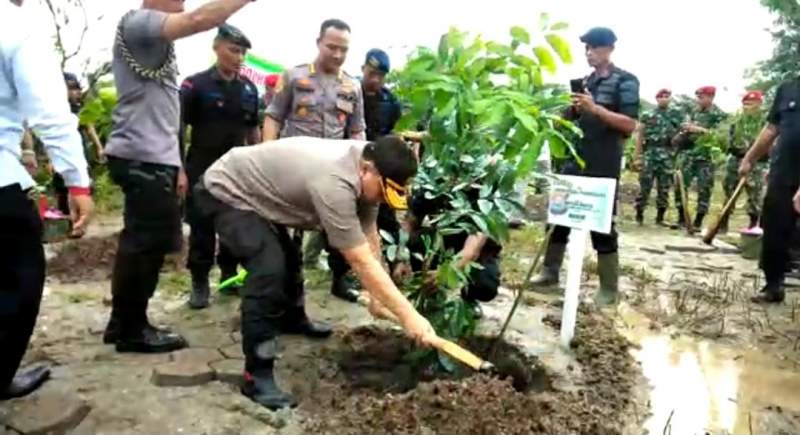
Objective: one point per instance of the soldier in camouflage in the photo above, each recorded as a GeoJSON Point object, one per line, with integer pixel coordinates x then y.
{"type": "Point", "coordinates": [743, 132]}
{"type": "Point", "coordinates": [653, 138]}
{"type": "Point", "coordinates": [694, 153]}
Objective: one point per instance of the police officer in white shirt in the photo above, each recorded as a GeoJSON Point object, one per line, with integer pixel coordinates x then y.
{"type": "Point", "coordinates": [31, 89]}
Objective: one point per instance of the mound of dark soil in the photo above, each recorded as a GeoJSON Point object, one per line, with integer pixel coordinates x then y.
{"type": "Point", "coordinates": [377, 390]}
{"type": "Point", "coordinates": [92, 258]}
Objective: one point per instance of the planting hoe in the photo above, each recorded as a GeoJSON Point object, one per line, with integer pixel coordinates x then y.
{"type": "Point", "coordinates": [712, 232]}
{"type": "Point", "coordinates": [455, 351]}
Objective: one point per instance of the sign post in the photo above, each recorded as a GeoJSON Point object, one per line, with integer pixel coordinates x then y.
{"type": "Point", "coordinates": [584, 204]}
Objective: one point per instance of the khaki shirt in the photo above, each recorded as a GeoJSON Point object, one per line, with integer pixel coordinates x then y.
{"type": "Point", "coordinates": [309, 103]}
{"type": "Point", "coordinates": [301, 182]}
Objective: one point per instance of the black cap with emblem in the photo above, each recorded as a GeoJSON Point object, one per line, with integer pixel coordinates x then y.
{"type": "Point", "coordinates": [229, 33]}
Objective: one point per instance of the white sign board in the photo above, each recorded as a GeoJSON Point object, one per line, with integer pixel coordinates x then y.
{"type": "Point", "coordinates": [584, 203]}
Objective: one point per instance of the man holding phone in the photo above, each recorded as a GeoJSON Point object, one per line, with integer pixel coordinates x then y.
{"type": "Point", "coordinates": [605, 105]}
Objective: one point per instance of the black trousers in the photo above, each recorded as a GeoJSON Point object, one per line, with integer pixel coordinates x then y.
{"type": "Point", "coordinates": [386, 221]}
{"type": "Point", "coordinates": [602, 243]}
{"type": "Point", "coordinates": [22, 268]}
{"type": "Point", "coordinates": [273, 291]}
{"type": "Point", "coordinates": [203, 236]}
{"type": "Point", "coordinates": [778, 219]}
{"type": "Point", "coordinates": [152, 229]}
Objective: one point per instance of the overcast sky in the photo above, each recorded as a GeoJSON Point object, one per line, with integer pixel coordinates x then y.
{"type": "Point", "coordinates": [681, 44]}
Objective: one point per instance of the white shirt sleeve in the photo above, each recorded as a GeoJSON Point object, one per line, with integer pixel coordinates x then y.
{"type": "Point", "coordinates": [42, 97]}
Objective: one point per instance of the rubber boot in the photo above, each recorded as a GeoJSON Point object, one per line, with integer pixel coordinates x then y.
{"type": "Point", "coordinates": [345, 287]}
{"type": "Point", "coordinates": [259, 379]}
{"type": "Point", "coordinates": [754, 218]}
{"type": "Point", "coordinates": [608, 270]}
{"type": "Point", "coordinates": [681, 223]}
{"type": "Point", "coordinates": [660, 217]}
{"type": "Point", "coordinates": [553, 259]}
{"type": "Point", "coordinates": [698, 221]}
{"type": "Point", "coordinates": [200, 290]}
{"type": "Point", "coordinates": [772, 293]}
{"type": "Point", "coordinates": [639, 216]}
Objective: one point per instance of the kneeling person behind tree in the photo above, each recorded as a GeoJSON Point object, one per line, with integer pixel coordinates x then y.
{"type": "Point", "coordinates": [255, 194]}
{"type": "Point", "coordinates": [484, 281]}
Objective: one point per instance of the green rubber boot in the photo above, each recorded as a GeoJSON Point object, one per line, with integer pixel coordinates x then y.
{"type": "Point", "coordinates": [608, 269]}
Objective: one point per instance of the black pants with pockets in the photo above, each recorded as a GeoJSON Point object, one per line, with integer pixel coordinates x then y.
{"type": "Point", "coordinates": [152, 229]}
{"type": "Point", "coordinates": [273, 291]}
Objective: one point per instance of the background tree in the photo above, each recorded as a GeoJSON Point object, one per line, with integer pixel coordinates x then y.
{"type": "Point", "coordinates": [766, 75]}
{"type": "Point", "coordinates": [488, 113]}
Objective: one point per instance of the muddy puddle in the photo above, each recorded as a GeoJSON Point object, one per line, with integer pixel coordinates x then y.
{"type": "Point", "coordinates": [701, 386]}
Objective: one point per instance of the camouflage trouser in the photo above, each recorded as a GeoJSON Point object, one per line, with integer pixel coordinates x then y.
{"type": "Point", "coordinates": [754, 186]}
{"type": "Point", "coordinates": [702, 169]}
{"type": "Point", "coordinates": [657, 170]}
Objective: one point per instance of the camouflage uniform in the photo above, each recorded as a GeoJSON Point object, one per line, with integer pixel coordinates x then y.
{"type": "Point", "coordinates": [696, 161]}
{"type": "Point", "coordinates": [659, 126]}
{"type": "Point", "coordinates": [743, 133]}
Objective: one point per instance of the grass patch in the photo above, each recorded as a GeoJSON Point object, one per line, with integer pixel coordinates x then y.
{"type": "Point", "coordinates": [82, 296]}
{"type": "Point", "coordinates": [175, 283]}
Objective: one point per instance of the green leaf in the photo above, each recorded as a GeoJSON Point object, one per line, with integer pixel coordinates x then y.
{"type": "Point", "coordinates": [525, 119]}
{"type": "Point", "coordinates": [520, 34]}
{"type": "Point", "coordinates": [391, 253]}
{"type": "Point", "coordinates": [480, 223]}
{"type": "Point", "coordinates": [560, 46]}
{"type": "Point", "coordinates": [387, 236]}
{"type": "Point", "coordinates": [544, 20]}
{"type": "Point", "coordinates": [559, 26]}
{"type": "Point", "coordinates": [485, 206]}
{"type": "Point", "coordinates": [546, 59]}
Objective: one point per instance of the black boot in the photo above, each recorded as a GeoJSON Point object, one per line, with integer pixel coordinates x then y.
{"type": "Point", "coordinates": [681, 223]}
{"type": "Point", "coordinates": [639, 216]}
{"type": "Point", "coordinates": [296, 321]}
{"type": "Point", "coordinates": [260, 387]}
{"type": "Point", "coordinates": [772, 293]}
{"type": "Point", "coordinates": [660, 217]}
{"type": "Point", "coordinates": [553, 259]}
{"type": "Point", "coordinates": [198, 299]}
{"type": "Point", "coordinates": [754, 218]}
{"type": "Point", "coordinates": [26, 382]}
{"type": "Point", "coordinates": [345, 287]}
{"type": "Point", "coordinates": [135, 278]}
{"type": "Point", "coordinates": [698, 221]}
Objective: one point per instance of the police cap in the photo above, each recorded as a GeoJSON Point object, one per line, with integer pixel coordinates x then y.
{"type": "Point", "coordinates": [378, 59]}
{"type": "Point", "coordinates": [233, 35]}
{"type": "Point", "coordinates": [599, 37]}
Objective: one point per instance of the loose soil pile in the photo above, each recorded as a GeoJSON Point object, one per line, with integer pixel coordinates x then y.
{"type": "Point", "coordinates": [375, 389]}
{"type": "Point", "coordinates": [92, 259]}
